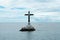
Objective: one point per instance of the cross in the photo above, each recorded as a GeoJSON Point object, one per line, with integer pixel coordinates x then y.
{"type": "Point", "coordinates": [29, 17]}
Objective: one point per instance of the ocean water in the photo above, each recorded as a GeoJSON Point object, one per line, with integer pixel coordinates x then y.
{"type": "Point", "coordinates": [44, 31]}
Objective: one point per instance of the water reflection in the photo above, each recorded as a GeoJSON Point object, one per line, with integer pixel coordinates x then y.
{"type": "Point", "coordinates": [29, 36]}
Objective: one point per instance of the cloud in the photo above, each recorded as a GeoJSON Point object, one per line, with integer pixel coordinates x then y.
{"type": "Point", "coordinates": [2, 7]}
{"type": "Point", "coordinates": [47, 16]}
{"type": "Point", "coordinates": [43, 10]}
{"type": "Point", "coordinates": [19, 8]}
{"type": "Point", "coordinates": [53, 10]}
{"type": "Point", "coordinates": [44, 0]}
{"type": "Point", "coordinates": [5, 2]}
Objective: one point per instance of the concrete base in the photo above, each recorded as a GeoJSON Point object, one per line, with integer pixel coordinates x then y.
{"type": "Point", "coordinates": [28, 28]}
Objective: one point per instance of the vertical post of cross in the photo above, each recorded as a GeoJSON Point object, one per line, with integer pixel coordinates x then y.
{"type": "Point", "coordinates": [28, 17]}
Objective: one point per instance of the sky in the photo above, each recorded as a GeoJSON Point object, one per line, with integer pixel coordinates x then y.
{"type": "Point", "coordinates": [43, 10]}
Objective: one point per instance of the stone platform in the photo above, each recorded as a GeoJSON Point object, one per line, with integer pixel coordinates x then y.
{"type": "Point", "coordinates": [28, 28]}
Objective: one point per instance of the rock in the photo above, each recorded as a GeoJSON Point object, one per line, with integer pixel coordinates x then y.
{"type": "Point", "coordinates": [28, 28]}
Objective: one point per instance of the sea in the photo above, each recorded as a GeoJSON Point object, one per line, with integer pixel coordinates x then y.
{"type": "Point", "coordinates": [44, 31]}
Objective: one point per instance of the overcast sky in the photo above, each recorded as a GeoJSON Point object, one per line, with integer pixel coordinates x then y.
{"type": "Point", "coordinates": [43, 10]}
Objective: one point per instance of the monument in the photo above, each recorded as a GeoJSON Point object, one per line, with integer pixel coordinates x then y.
{"type": "Point", "coordinates": [29, 27]}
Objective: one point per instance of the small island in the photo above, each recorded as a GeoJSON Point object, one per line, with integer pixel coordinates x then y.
{"type": "Point", "coordinates": [29, 27]}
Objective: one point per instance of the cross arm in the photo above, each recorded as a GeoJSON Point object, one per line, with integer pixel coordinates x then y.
{"type": "Point", "coordinates": [28, 14]}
